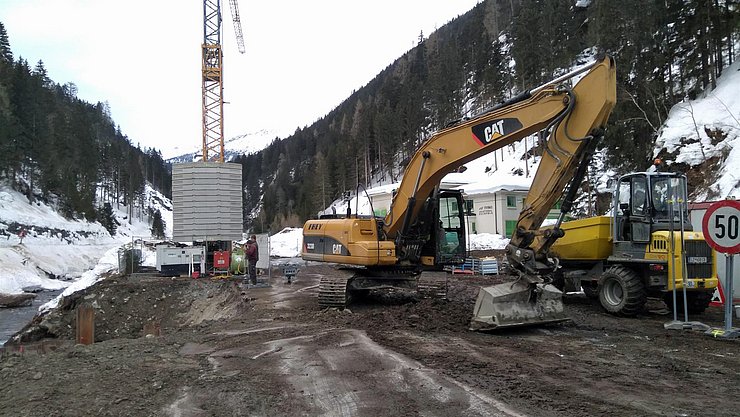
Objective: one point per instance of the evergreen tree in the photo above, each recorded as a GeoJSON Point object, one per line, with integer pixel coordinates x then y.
{"type": "Point", "coordinates": [6, 55]}
{"type": "Point", "coordinates": [108, 219]}
{"type": "Point", "coordinates": [157, 225]}
{"type": "Point", "coordinates": [6, 113]}
{"type": "Point", "coordinates": [529, 49]}
{"type": "Point", "coordinates": [323, 193]}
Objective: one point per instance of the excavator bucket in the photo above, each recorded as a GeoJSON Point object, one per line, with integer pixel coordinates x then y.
{"type": "Point", "coordinates": [517, 304]}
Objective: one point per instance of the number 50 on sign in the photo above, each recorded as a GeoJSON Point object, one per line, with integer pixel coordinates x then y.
{"type": "Point", "coordinates": [721, 226]}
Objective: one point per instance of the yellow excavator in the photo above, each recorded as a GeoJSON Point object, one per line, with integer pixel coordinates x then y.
{"type": "Point", "coordinates": [424, 230]}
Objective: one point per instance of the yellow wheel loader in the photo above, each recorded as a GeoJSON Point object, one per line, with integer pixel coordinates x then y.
{"type": "Point", "coordinates": [424, 229]}
{"type": "Point", "coordinates": [645, 248]}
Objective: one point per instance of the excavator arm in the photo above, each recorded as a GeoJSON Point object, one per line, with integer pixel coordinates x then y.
{"type": "Point", "coordinates": [574, 117]}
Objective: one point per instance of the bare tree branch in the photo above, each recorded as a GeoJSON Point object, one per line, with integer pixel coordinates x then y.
{"type": "Point", "coordinates": [634, 101]}
{"type": "Point", "coordinates": [690, 109]}
{"type": "Point", "coordinates": [726, 108]}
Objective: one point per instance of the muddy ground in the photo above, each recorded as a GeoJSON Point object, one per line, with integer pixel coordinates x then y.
{"type": "Point", "coordinates": [223, 350]}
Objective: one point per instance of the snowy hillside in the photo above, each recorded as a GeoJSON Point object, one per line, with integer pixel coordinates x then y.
{"type": "Point", "coordinates": [56, 251]}
{"type": "Point", "coordinates": [707, 128]}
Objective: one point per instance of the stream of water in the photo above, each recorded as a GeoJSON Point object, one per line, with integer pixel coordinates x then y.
{"type": "Point", "coordinates": [13, 319]}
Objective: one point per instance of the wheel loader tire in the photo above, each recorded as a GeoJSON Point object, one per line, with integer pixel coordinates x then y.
{"type": "Point", "coordinates": [696, 302]}
{"type": "Point", "coordinates": [621, 291]}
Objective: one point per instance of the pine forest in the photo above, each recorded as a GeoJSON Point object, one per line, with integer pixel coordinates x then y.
{"type": "Point", "coordinates": [666, 51]}
{"type": "Point", "coordinates": [67, 152]}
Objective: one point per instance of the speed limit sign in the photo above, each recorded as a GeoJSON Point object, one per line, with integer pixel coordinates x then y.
{"type": "Point", "coordinates": [721, 226]}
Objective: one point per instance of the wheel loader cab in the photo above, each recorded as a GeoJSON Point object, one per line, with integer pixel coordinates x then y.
{"type": "Point", "coordinates": [669, 202]}
{"type": "Point", "coordinates": [645, 203]}
{"type": "Point", "coordinates": [632, 220]}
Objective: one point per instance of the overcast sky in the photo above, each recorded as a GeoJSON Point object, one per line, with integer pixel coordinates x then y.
{"type": "Point", "coordinates": [143, 57]}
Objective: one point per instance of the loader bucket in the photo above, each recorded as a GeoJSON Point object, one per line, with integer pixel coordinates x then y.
{"type": "Point", "coordinates": [517, 304]}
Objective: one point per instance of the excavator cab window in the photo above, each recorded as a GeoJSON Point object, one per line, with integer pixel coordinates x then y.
{"type": "Point", "coordinates": [451, 232]}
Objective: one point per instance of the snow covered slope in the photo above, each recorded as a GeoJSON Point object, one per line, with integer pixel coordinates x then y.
{"type": "Point", "coordinates": [707, 128]}
{"type": "Point", "coordinates": [57, 251]}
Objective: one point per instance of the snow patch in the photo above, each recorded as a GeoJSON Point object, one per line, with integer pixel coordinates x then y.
{"type": "Point", "coordinates": [287, 243]}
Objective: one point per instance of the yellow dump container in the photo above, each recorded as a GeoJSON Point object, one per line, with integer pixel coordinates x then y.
{"type": "Point", "coordinates": [585, 239]}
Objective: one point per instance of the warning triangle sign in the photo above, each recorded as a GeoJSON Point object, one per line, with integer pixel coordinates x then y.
{"type": "Point", "coordinates": [718, 298]}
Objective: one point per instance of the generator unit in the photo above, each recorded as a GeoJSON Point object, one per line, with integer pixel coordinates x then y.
{"type": "Point", "coordinates": [175, 260]}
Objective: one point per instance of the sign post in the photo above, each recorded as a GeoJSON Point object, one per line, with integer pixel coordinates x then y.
{"type": "Point", "coordinates": [721, 227]}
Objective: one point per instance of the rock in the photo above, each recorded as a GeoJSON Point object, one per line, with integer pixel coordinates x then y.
{"type": "Point", "coordinates": [33, 289]}
{"type": "Point", "coordinates": [16, 300]}
{"type": "Point", "coordinates": [38, 375]}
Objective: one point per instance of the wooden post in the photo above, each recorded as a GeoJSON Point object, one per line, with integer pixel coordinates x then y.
{"type": "Point", "coordinates": [85, 325]}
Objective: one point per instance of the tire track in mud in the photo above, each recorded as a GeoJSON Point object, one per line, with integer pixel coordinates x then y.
{"type": "Point", "coordinates": [343, 372]}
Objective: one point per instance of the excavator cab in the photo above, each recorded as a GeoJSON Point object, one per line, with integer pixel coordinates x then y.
{"type": "Point", "coordinates": [439, 232]}
{"type": "Point", "coordinates": [451, 228]}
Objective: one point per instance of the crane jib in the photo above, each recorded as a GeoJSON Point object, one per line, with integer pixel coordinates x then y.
{"type": "Point", "coordinates": [485, 132]}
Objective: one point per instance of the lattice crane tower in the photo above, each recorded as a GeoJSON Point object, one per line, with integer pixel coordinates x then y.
{"type": "Point", "coordinates": [212, 67]}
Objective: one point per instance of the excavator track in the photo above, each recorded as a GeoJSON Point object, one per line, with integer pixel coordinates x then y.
{"type": "Point", "coordinates": [432, 285]}
{"type": "Point", "coordinates": [333, 290]}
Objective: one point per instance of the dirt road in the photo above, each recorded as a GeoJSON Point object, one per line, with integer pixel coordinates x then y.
{"type": "Point", "coordinates": [226, 351]}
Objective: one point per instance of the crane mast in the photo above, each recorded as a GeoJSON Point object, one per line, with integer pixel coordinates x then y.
{"type": "Point", "coordinates": [212, 71]}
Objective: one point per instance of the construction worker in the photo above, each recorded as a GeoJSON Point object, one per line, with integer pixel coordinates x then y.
{"type": "Point", "coordinates": [251, 251]}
